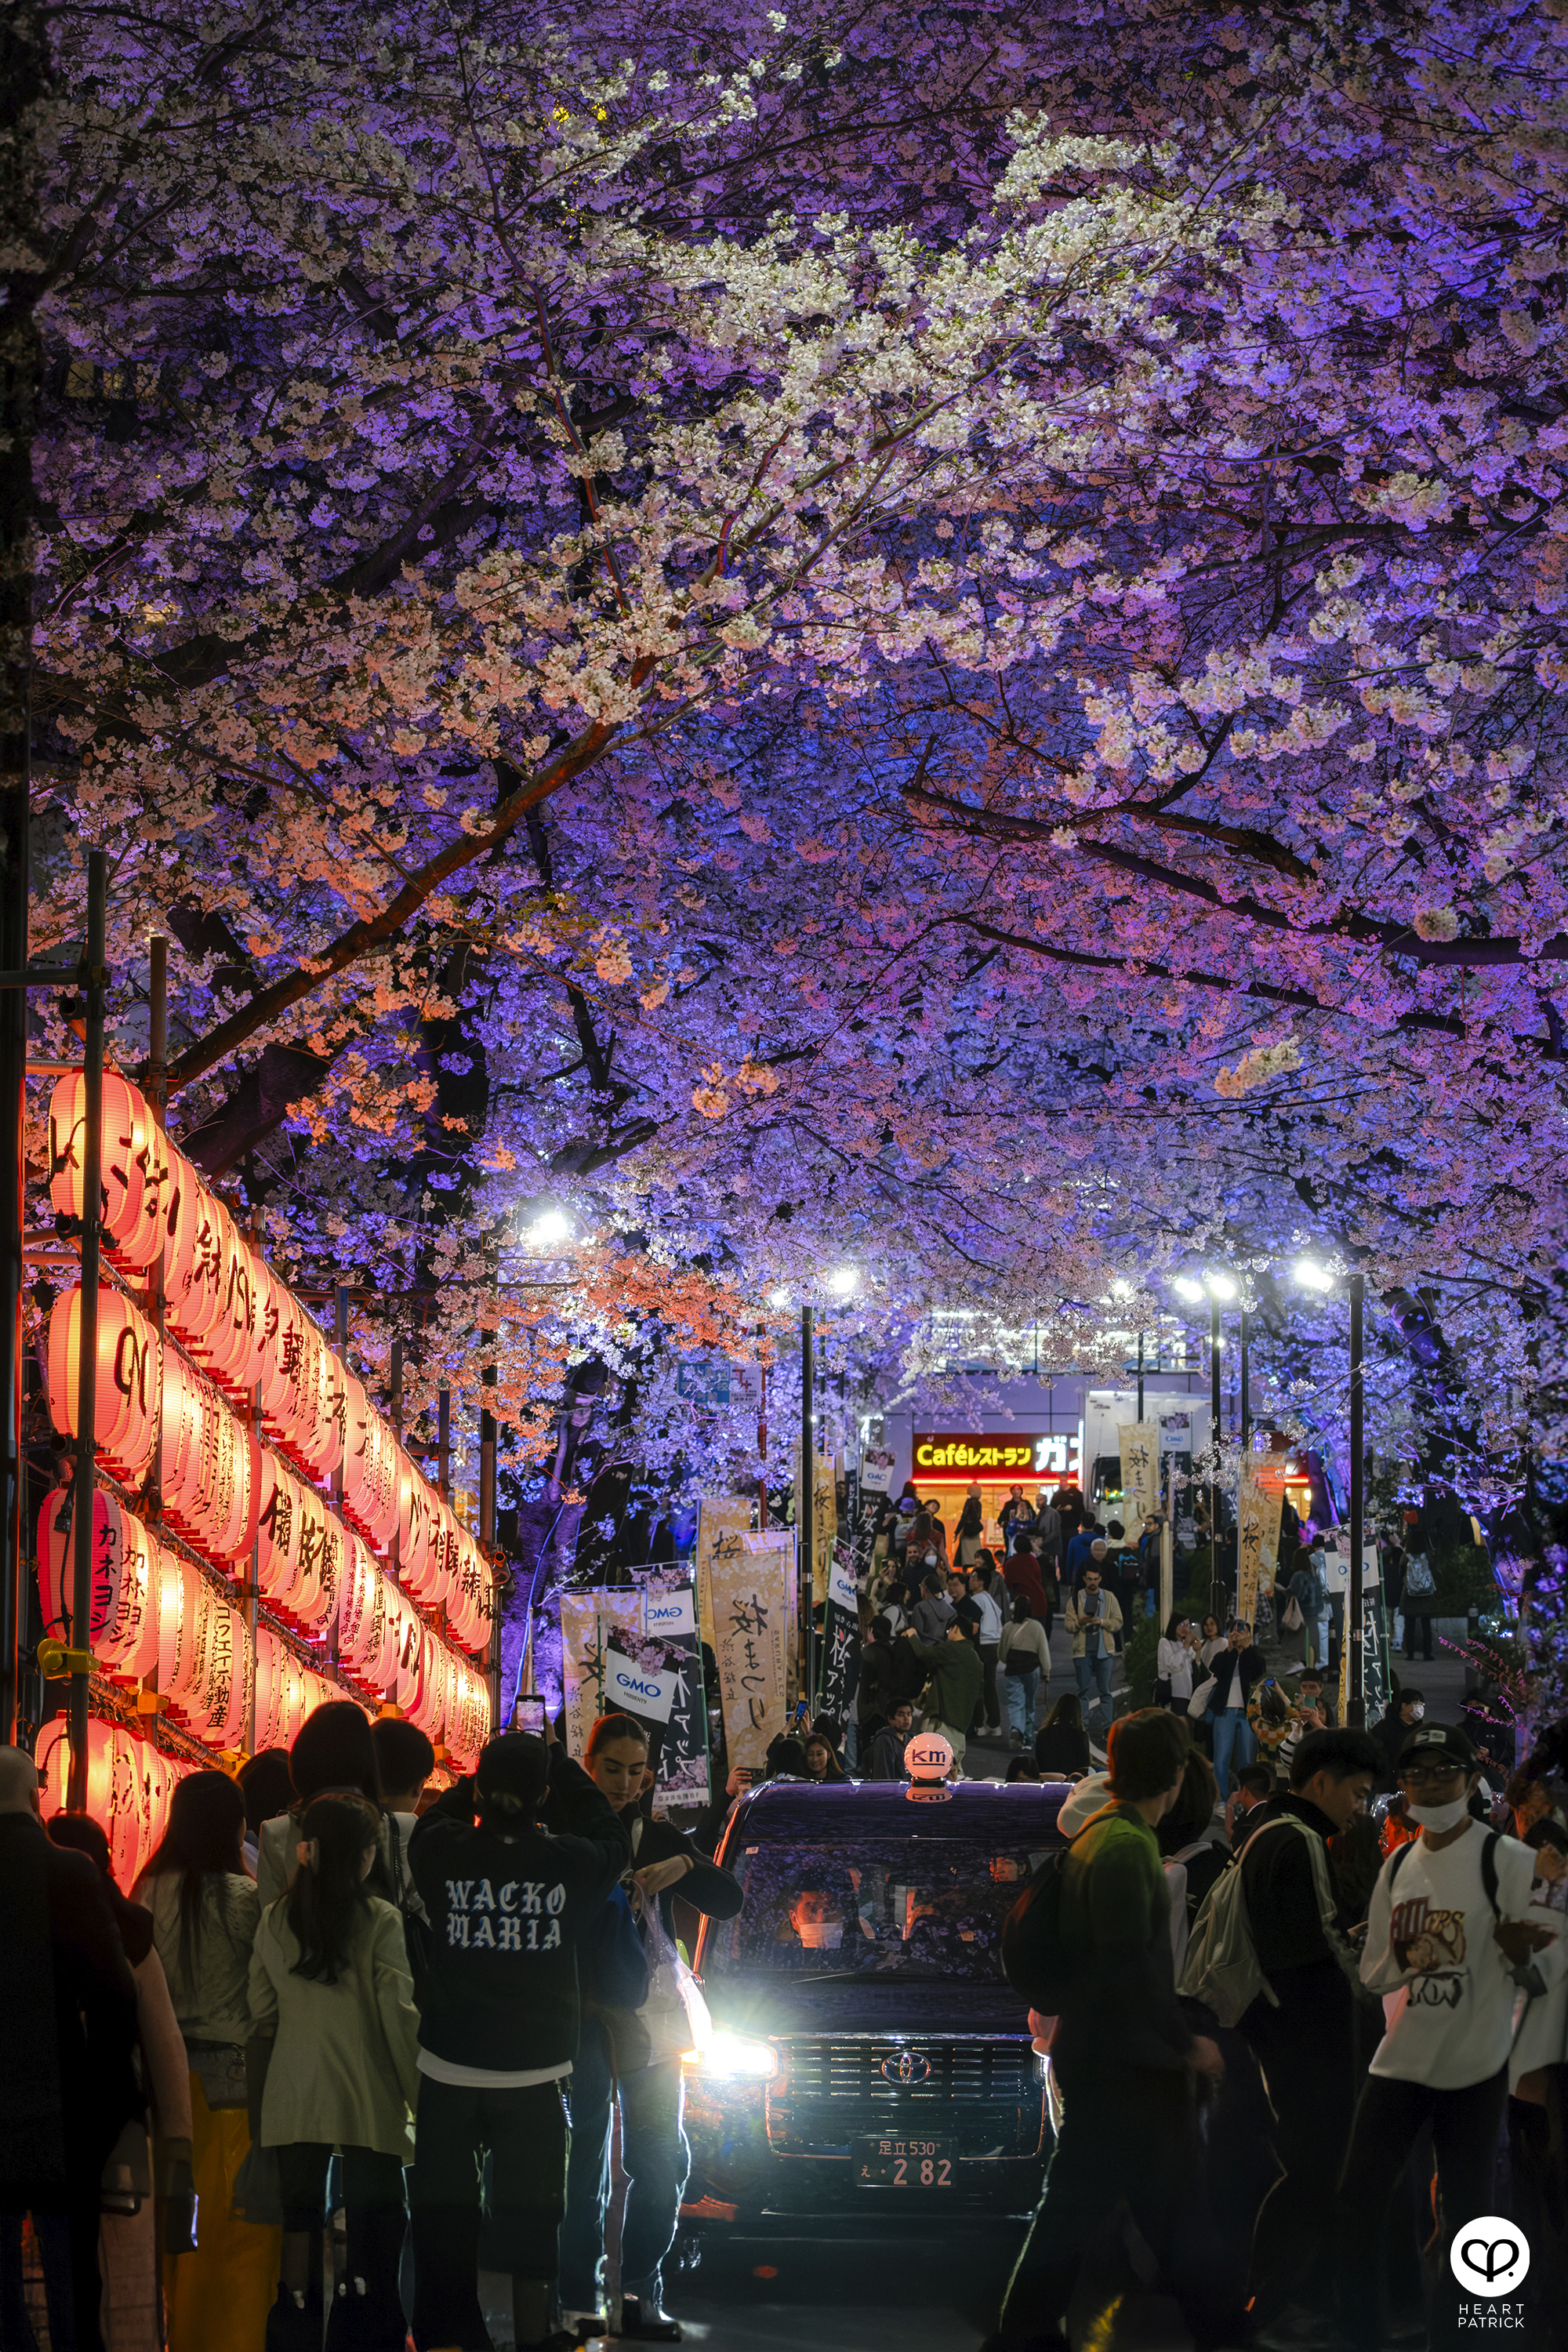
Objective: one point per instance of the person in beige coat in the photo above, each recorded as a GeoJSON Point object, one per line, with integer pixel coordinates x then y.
{"type": "Point", "coordinates": [1093, 1618]}
{"type": "Point", "coordinates": [331, 1994]}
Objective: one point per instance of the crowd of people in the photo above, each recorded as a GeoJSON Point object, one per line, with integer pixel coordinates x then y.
{"type": "Point", "coordinates": [1295, 2058]}
{"type": "Point", "coordinates": [335, 1989]}
{"type": "Point", "coordinates": [338, 1989]}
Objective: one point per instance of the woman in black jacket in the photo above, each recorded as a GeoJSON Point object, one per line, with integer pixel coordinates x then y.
{"type": "Point", "coordinates": [1061, 1743]}
{"type": "Point", "coordinates": [1238, 1670]}
{"type": "Point", "coordinates": [614, 2060]}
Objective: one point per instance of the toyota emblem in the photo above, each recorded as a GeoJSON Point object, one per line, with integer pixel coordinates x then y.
{"type": "Point", "coordinates": [909, 2066]}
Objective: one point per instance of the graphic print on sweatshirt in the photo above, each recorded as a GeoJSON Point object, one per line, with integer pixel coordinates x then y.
{"type": "Point", "coordinates": [1432, 1942]}
{"type": "Point", "coordinates": [517, 1915]}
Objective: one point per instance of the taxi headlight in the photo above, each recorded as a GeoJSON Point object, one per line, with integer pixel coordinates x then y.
{"type": "Point", "coordinates": [735, 2058]}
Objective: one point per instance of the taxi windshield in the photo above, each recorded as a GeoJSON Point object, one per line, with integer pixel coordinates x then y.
{"type": "Point", "coordinates": [903, 1907]}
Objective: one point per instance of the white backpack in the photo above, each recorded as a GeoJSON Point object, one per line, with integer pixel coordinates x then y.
{"type": "Point", "coordinates": [1222, 1967]}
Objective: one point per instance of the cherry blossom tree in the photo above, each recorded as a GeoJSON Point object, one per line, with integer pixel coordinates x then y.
{"type": "Point", "coordinates": [935, 638]}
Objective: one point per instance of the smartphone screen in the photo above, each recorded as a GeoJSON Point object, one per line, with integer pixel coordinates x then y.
{"type": "Point", "coordinates": [529, 1715]}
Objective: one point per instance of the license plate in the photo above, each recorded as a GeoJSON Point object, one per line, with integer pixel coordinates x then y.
{"type": "Point", "coordinates": [895, 2162]}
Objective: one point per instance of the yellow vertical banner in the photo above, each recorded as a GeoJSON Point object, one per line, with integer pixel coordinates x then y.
{"type": "Point", "coordinates": [1251, 1521]}
{"type": "Point", "coordinates": [1140, 1444]}
{"type": "Point", "coordinates": [825, 1519]}
{"type": "Point", "coordinates": [721, 1518]}
{"type": "Point", "coordinates": [752, 1588]}
{"type": "Point", "coordinates": [1273, 1518]}
{"type": "Point", "coordinates": [587, 1619]}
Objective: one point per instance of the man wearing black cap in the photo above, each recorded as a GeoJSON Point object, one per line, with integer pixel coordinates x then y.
{"type": "Point", "coordinates": [1449, 1929]}
{"type": "Point", "coordinates": [507, 1900]}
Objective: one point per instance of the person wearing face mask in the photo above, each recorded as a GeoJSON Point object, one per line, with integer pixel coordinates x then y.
{"type": "Point", "coordinates": [1391, 1734]}
{"type": "Point", "coordinates": [1450, 1943]}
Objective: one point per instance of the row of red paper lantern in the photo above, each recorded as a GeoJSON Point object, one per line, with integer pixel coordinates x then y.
{"type": "Point", "coordinates": [130, 1784]}
{"type": "Point", "coordinates": [224, 1493]}
{"type": "Point", "coordinates": [154, 1611]}
{"type": "Point", "coordinates": [229, 1309]}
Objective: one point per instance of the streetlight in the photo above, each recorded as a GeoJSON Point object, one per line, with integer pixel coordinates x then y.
{"type": "Point", "coordinates": [549, 1228]}
{"type": "Point", "coordinates": [843, 1281]}
{"type": "Point", "coordinates": [1214, 1285]}
{"type": "Point", "coordinates": [1310, 1275]}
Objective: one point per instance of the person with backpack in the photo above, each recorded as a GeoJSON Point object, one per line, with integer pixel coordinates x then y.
{"type": "Point", "coordinates": [509, 1902]}
{"type": "Point", "coordinates": [1089, 1944]}
{"type": "Point", "coordinates": [337, 2031]}
{"type": "Point", "coordinates": [619, 2060]}
{"type": "Point", "coordinates": [1301, 2028]}
{"type": "Point", "coordinates": [1418, 1603]}
{"type": "Point", "coordinates": [1449, 1934]}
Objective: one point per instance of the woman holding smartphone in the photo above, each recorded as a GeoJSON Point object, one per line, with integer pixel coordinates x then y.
{"type": "Point", "coordinates": [1176, 1658]}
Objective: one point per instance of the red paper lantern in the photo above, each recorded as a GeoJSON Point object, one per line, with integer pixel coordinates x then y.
{"type": "Point", "coordinates": [128, 1162]}
{"type": "Point", "coordinates": [124, 1614]}
{"type": "Point", "coordinates": [125, 1401]}
{"type": "Point", "coordinates": [207, 1465]}
{"type": "Point", "coordinates": [417, 1513]}
{"type": "Point", "coordinates": [129, 1785]}
{"type": "Point", "coordinates": [194, 1251]}
{"type": "Point", "coordinates": [371, 1481]}
{"type": "Point", "coordinates": [279, 1521]}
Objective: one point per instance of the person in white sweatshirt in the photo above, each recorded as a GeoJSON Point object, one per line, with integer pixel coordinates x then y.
{"type": "Point", "coordinates": [1451, 1946]}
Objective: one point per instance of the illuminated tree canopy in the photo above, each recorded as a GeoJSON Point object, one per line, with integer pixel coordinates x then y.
{"type": "Point", "coordinates": [936, 635]}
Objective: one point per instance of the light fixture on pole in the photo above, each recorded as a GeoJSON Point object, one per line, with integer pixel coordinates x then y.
{"type": "Point", "coordinates": [1310, 1275]}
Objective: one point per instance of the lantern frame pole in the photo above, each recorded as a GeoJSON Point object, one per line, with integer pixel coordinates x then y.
{"type": "Point", "coordinates": [443, 1443]}
{"type": "Point", "coordinates": [14, 888]}
{"type": "Point", "coordinates": [95, 977]}
{"type": "Point", "coordinates": [340, 1333]}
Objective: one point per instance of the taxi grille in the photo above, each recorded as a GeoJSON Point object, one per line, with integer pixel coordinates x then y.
{"type": "Point", "coordinates": [984, 2093]}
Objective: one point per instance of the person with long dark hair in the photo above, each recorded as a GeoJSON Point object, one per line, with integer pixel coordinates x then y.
{"type": "Point", "coordinates": [332, 1998]}
{"type": "Point", "coordinates": [204, 1914]}
{"type": "Point", "coordinates": [1061, 1743]}
{"type": "Point", "coordinates": [334, 1755]}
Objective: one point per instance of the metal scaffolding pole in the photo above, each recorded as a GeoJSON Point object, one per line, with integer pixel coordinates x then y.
{"type": "Point", "coordinates": [87, 1378]}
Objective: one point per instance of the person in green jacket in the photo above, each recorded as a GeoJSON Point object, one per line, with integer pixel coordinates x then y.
{"type": "Point", "coordinates": [337, 2041]}
{"type": "Point", "coordinates": [957, 1675]}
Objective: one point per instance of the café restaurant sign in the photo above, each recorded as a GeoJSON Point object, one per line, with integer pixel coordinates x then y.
{"type": "Point", "coordinates": [1012, 1454]}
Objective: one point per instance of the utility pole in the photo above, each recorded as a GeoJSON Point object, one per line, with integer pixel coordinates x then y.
{"type": "Point", "coordinates": [1217, 1598]}
{"type": "Point", "coordinates": [808, 1513]}
{"type": "Point", "coordinates": [21, 87]}
{"type": "Point", "coordinates": [1355, 1633]}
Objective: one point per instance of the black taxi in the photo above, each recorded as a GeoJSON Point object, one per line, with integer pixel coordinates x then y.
{"type": "Point", "coordinates": [867, 2051]}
